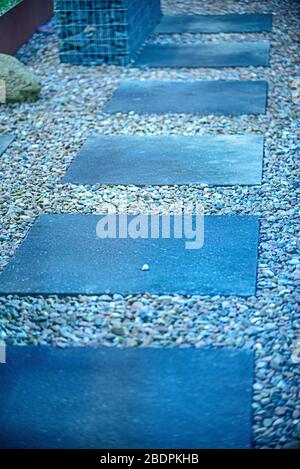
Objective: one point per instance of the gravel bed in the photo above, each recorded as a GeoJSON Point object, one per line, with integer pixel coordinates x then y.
{"type": "Point", "coordinates": [49, 134]}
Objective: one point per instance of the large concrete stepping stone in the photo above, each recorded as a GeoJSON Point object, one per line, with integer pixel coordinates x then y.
{"type": "Point", "coordinates": [222, 54]}
{"type": "Point", "coordinates": [232, 23]}
{"type": "Point", "coordinates": [189, 97]}
{"type": "Point", "coordinates": [125, 398]}
{"type": "Point", "coordinates": [5, 141]}
{"type": "Point", "coordinates": [139, 160]}
{"type": "Point", "coordinates": [63, 254]}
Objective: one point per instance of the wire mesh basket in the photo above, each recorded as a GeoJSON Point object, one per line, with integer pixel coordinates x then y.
{"type": "Point", "coordinates": [93, 32]}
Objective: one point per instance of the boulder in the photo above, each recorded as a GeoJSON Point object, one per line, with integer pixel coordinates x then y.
{"type": "Point", "coordinates": [19, 83]}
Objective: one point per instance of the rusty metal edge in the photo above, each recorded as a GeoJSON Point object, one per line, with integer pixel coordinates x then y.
{"type": "Point", "coordinates": [20, 23]}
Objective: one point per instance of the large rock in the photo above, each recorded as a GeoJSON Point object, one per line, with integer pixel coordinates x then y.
{"type": "Point", "coordinates": [20, 83]}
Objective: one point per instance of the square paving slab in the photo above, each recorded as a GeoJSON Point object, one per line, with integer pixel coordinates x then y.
{"type": "Point", "coordinates": [189, 97]}
{"type": "Point", "coordinates": [222, 54]}
{"type": "Point", "coordinates": [232, 23]}
{"type": "Point", "coordinates": [125, 398]}
{"type": "Point", "coordinates": [161, 160]}
{"type": "Point", "coordinates": [63, 254]}
{"type": "Point", "coordinates": [5, 141]}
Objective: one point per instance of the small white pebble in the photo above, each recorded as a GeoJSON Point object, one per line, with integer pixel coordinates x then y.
{"type": "Point", "coordinates": [145, 267]}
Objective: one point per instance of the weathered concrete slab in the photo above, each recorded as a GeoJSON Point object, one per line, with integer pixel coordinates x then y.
{"type": "Point", "coordinates": [189, 97]}
{"type": "Point", "coordinates": [221, 54]}
{"type": "Point", "coordinates": [62, 254]}
{"type": "Point", "coordinates": [162, 160]}
{"type": "Point", "coordinates": [125, 398]}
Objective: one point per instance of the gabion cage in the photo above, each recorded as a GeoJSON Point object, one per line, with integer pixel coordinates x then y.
{"type": "Point", "coordinates": [93, 32]}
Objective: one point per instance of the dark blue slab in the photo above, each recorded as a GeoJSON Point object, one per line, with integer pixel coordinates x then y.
{"type": "Point", "coordinates": [214, 160]}
{"type": "Point", "coordinates": [63, 255]}
{"type": "Point", "coordinates": [232, 23]}
{"type": "Point", "coordinates": [125, 398]}
{"type": "Point", "coordinates": [221, 54]}
{"type": "Point", "coordinates": [5, 141]}
{"type": "Point", "coordinates": [189, 97]}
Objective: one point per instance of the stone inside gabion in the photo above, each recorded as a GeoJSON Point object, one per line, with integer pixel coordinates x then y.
{"type": "Point", "coordinates": [92, 32]}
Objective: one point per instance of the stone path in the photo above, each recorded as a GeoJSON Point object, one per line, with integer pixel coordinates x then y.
{"type": "Point", "coordinates": [230, 23]}
{"type": "Point", "coordinates": [220, 54]}
{"type": "Point", "coordinates": [189, 97]}
{"type": "Point", "coordinates": [159, 160]}
{"type": "Point", "coordinates": [182, 398]}
{"type": "Point", "coordinates": [125, 398]}
{"type": "Point", "coordinates": [5, 141]}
